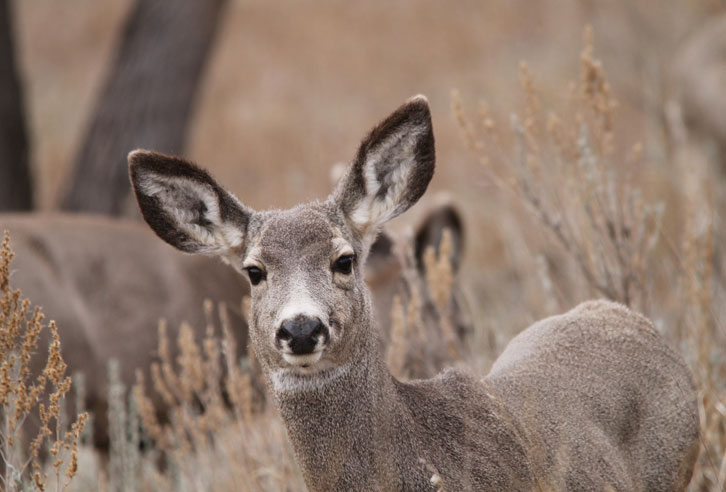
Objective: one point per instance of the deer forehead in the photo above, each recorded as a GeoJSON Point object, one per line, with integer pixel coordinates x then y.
{"type": "Point", "coordinates": [300, 237]}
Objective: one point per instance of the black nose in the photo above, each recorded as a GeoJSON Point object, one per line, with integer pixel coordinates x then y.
{"type": "Point", "coordinates": [302, 334]}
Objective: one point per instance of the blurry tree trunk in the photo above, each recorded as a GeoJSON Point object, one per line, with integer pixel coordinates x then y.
{"type": "Point", "coordinates": [15, 181]}
{"type": "Point", "coordinates": [147, 99]}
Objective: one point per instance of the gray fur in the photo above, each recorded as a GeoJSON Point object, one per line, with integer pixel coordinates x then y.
{"type": "Point", "coordinates": [603, 399]}
{"type": "Point", "coordinates": [583, 401]}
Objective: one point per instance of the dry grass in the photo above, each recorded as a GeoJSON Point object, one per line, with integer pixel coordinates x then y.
{"type": "Point", "coordinates": [25, 396]}
{"type": "Point", "coordinates": [212, 423]}
{"type": "Point", "coordinates": [562, 167]}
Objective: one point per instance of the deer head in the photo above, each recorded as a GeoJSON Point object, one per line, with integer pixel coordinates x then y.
{"type": "Point", "coordinates": [310, 311]}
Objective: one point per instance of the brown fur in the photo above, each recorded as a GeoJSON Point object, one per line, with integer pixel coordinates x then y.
{"type": "Point", "coordinates": [583, 401]}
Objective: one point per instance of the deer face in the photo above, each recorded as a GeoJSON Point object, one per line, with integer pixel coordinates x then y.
{"type": "Point", "coordinates": [310, 311]}
{"type": "Point", "coordinates": [308, 294]}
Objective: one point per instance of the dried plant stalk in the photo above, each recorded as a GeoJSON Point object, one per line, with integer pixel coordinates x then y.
{"type": "Point", "coordinates": [22, 392]}
{"type": "Point", "coordinates": [598, 217]}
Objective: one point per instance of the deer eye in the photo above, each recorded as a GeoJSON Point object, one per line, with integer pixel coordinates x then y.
{"type": "Point", "coordinates": [255, 274]}
{"type": "Point", "coordinates": [344, 264]}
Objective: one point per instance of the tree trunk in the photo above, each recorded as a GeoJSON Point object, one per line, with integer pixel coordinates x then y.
{"type": "Point", "coordinates": [15, 180]}
{"type": "Point", "coordinates": [147, 99]}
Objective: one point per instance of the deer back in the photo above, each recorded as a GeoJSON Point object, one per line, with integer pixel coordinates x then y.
{"type": "Point", "coordinates": [602, 400]}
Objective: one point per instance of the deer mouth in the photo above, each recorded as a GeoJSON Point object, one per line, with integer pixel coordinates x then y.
{"type": "Point", "coordinates": [303, 361]}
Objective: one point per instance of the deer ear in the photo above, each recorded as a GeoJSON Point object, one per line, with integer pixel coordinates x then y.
{"type": "Point", "coordinates": [185, 206]}
{"type": "Point", "coordinates": [430, 233]}
{"type": "Point", "coordinates": [392, 169]}
{"type": "Point", "coordinates": [382, 260]}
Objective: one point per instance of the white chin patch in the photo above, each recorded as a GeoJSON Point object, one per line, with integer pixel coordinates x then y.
{"type": "Point", "coordinates": [303, 360]}
{"type": "Point", "coordinates": [300, 379]}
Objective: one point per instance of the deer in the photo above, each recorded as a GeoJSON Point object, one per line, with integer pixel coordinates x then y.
{"type": "Point", "coordinates": [107, 283]}
{"type": "Point", "coordinates": [396, 267]}
{"type": "Point", "coordinates": [592, 399]}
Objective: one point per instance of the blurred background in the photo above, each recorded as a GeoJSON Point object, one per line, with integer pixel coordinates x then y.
{"type": "Point", "coordinates": [287, 89]}
{"type": "Point", "coordinates": [270, 95]}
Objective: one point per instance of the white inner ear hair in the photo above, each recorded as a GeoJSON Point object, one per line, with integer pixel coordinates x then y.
{"type": "Point", "coordinates": [384, 191]}
{"type": "Point", "coordinates": [194, 208]}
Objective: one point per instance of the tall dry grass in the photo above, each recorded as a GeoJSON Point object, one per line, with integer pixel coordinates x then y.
{"type": "Point", "coordinates": [46, 457]}
{"type": "Point", "coordinates": [219, 434]}
{"type": "Point", "coordinates": [563, 167]}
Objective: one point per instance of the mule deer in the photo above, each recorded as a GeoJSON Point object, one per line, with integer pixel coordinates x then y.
{"type": "Point", "coordinates": [107, 282]}
{"type": "Point", "coordinates": [435, 329]}
{"type": "Point", "coordinates": [584, 401]}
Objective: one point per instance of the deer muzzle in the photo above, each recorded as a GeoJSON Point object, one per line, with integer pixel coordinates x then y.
{"type": "Point", "coordinates": [302, 340]}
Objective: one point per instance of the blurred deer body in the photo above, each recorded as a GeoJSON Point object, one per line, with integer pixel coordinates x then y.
{"type": "Point", "coordinates": [107, 283]}
{"type": "Point", "coordinates": [603, 389]}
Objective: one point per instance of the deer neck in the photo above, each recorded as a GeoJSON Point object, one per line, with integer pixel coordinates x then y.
{"type": "Point", "coordinates": [337, 428]}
